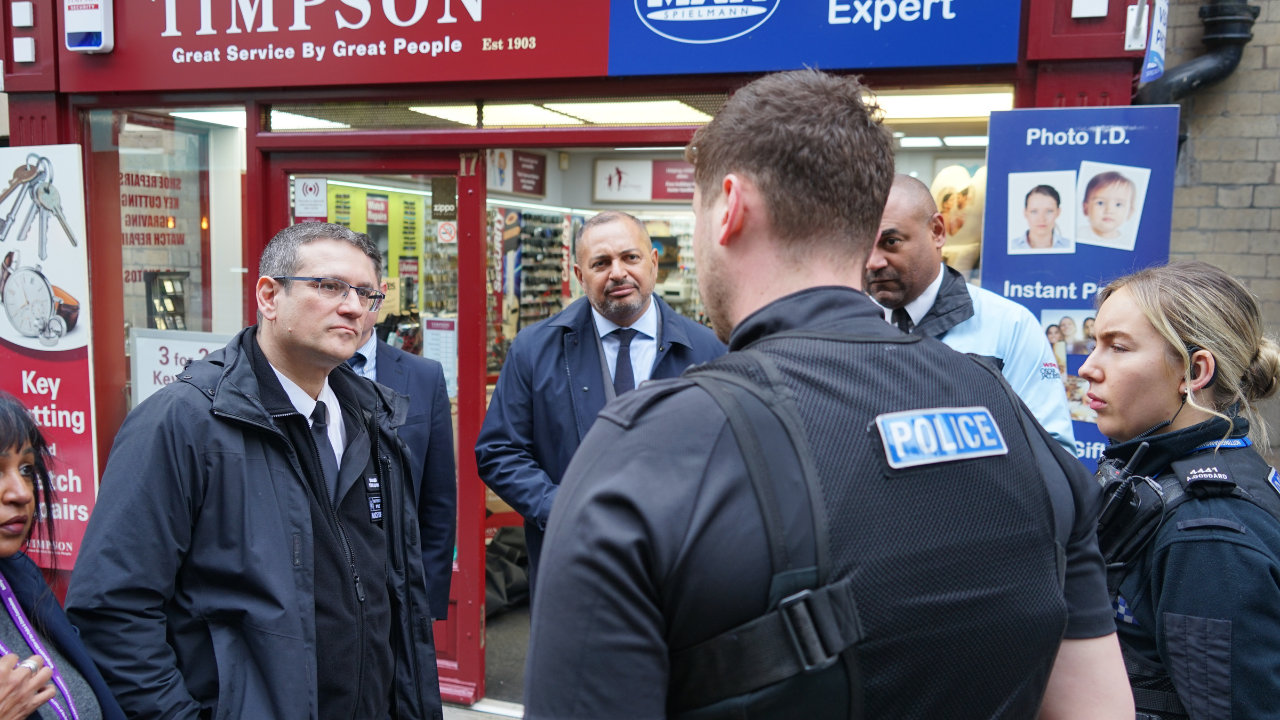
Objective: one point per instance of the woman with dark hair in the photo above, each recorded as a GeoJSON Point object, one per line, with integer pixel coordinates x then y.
{"type": "Point", "coordinates": [57, 680]}
{"type": "Point", "coordinates": [1041, 208]}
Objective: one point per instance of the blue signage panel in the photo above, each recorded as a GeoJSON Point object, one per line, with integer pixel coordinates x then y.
{"type": "Point", "coordinates": [1076, 197]}
{"type": "Point", "coordinates": [673, 37]}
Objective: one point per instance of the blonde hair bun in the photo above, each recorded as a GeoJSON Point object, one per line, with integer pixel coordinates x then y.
{"type": "Point", "coordinates": [1262, 379]}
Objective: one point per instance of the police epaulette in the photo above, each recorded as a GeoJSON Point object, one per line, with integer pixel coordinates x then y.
{"type": "Point", "coordinates": [625, 410]}
{"type": "Point", "coordinates": [1205, 475]}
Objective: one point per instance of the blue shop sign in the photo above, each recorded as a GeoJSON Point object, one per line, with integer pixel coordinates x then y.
{"type": "Point", "coordinates": [676, 37]}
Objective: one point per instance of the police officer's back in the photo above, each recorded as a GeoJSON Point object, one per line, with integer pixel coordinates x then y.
{"type": "Point", "coordinates": [916, 547]}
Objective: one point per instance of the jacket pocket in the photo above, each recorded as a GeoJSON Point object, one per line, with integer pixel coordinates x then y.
{"type": "Point", "coordinates": [261, 674]}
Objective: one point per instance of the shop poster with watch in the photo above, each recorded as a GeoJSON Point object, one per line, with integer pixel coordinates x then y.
{"type": "Point", "coordinates": [45, 344]}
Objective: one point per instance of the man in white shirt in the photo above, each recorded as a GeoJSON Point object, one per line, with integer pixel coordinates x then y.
{"type": "Point", "coordinates": [562, 371]}
{"type": "Point", "coordinates": [921, 296]}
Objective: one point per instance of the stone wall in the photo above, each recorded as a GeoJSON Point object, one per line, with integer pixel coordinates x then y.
{"type": "Point", "coordinates": [1227, 200]}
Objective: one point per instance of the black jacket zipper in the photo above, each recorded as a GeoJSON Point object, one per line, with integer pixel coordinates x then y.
{"type": "Point", "coordinates": [351, 560]}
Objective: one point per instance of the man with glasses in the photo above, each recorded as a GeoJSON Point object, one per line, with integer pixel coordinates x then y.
{"type": "Point", "coordinates": [255, 550]}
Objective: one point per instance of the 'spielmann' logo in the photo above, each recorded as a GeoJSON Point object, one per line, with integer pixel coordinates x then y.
{"type": "Point", "coordinates": [704, 21]}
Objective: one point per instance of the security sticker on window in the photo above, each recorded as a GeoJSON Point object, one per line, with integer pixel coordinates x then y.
{"type": "Point", "coordinates": [937, 435]}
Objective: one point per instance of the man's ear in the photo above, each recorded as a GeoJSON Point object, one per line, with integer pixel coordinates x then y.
{"type": "Point", "coordinates": [738, 199]}
{"type": "Point", "coordinates": [937, 230]}
{"type": "Point", "coordinates": [577, 272]}
{"type": "Point", "coordinates": [267, 292]}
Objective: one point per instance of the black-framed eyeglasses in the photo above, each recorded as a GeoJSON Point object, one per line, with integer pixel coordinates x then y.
{"type": "Point", "coordinates": [335, 289]}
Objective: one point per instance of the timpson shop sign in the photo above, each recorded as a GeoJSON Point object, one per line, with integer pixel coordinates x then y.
{"type": "Point", "coordinates": [211, 44]}
{"type": "Point", "coordinates": [223, 44]}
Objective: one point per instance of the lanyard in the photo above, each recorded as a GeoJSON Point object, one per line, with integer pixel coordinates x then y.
{"type": "Point", "coordinates": [20, 619]}
{"type": "Point", "coordinates": [1216, 444]}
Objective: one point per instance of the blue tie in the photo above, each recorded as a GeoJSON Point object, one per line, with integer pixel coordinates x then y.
{"type": "Point", "coordinates": [356, 362]}
{"type": "Point", "coordinates": [624, 380]}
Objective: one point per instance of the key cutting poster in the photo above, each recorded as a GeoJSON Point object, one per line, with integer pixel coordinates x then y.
{"type": "Point", "coordinates": [44, 335]}
{"type": "Point", "coordinates": [1076, 197]}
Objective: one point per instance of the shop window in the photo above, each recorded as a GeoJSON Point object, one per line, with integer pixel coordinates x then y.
{"type": "Point", "coordinates": [168, 191]}
{"type": "Point", "coordinates": [538, 201]}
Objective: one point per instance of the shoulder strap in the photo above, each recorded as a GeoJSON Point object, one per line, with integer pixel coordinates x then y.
{"type": "Point", "coordinates": [1238, 473]}
{"type": "Point", "coordinates": [806, 629]}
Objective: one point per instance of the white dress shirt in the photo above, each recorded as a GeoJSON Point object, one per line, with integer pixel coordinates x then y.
{"type": "Point", "coordinates": [644, 346]}
{"type": "Point", "coordinates": [370, 353]}
{"type": "Point", "coordinates": [919, 307]}
{"type": "Point", "coordinates": [337, 429]}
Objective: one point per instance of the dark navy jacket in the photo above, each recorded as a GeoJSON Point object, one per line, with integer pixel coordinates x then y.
{"type": "Point", "coordinates": [548, 395]}
{"type": "Point", "coordinates": [428, 431]}
{"type": "Point", "coordinates": [1203, 601]}
{"type": "Point", "coordinates": [42, 609]}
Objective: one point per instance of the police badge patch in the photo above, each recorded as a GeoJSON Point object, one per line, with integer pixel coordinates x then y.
{"type": "Point", "coordinates": [938, 435]}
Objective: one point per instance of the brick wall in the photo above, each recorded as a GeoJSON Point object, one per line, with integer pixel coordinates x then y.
{"type": "Point", "coordinates": [1227, 199]}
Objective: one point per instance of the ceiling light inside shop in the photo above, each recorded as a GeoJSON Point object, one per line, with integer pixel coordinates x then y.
{"type": "Point", "coordinates": [462, 114]}
{"type": "Point", "coordinates": [517, 115]}
{"type": "Point", "coordinates": [524, 115]}
{"type": "Point", "coordinates": [921, 142]}
{"type": "Point", "coordinates": [965, 140]}
{"type": "Point", "coordinates": [227, 118]}
{"type": "Point", "coordinates": [642, 112]}
{"type": "Point", "coordinates": [923, 107]}
{"type": "Point", "coordinates": [281, 120]}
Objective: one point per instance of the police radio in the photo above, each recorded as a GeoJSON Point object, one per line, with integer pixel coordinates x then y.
{"type": "Point", "coordinates": [1132, 511]}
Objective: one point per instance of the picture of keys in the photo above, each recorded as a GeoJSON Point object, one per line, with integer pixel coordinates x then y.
{"type": "Point", "coordinates": [33, 180]}
{"type": "Point", "coordinates": [23, 175]}
{"type": "Point", "coordinates": [50, 203]}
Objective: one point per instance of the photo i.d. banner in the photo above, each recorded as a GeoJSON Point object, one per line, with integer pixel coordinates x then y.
{"type": "Point", "coordinates": [1076, 197]}
{"type": "Point", "coordinates": [45, 343]}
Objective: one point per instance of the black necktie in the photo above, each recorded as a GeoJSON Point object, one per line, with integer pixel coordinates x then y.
{"type": "Point", "coordinates": [328, 458]}
{"type": "Point", "coordinates": [356, 362]}
{"type": "Point", "coordinates": [624, 380]}
{"type": "Point", "coordinates": [902, 319]}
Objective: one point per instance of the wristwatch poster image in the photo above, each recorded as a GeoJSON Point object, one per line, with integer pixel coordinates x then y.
{"type": "Point", "coordinates": [43, 258]}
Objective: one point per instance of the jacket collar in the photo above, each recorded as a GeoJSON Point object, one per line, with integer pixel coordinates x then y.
{"type": "Point", "coordinates": [577, 317]}
{"type": "Point", "coordinates": [832, 309]}
{"type": "Point", "coordinates": [1166, 448]}
{"type": "Point", "coordinates": [952, 307]}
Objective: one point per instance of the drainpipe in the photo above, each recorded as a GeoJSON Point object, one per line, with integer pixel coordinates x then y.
{"type": "Point", "coordinates": [1228, 28]}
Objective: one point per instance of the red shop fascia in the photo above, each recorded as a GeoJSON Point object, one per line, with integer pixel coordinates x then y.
{"type": "Point", "coordinates": [258, 53]}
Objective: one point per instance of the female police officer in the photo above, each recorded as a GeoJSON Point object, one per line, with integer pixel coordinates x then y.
{"type": "Point", "coordinates": [1192, 538]}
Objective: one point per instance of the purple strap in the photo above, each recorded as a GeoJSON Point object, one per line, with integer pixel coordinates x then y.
{"type": "Point", "coordinates": [29, 634]}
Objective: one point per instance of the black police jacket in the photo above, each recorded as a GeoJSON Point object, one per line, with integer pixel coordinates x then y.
{"type": "Point", "coordinates": [1202, 604]}
{"type": "Point", "coordinates": [656, 543]}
